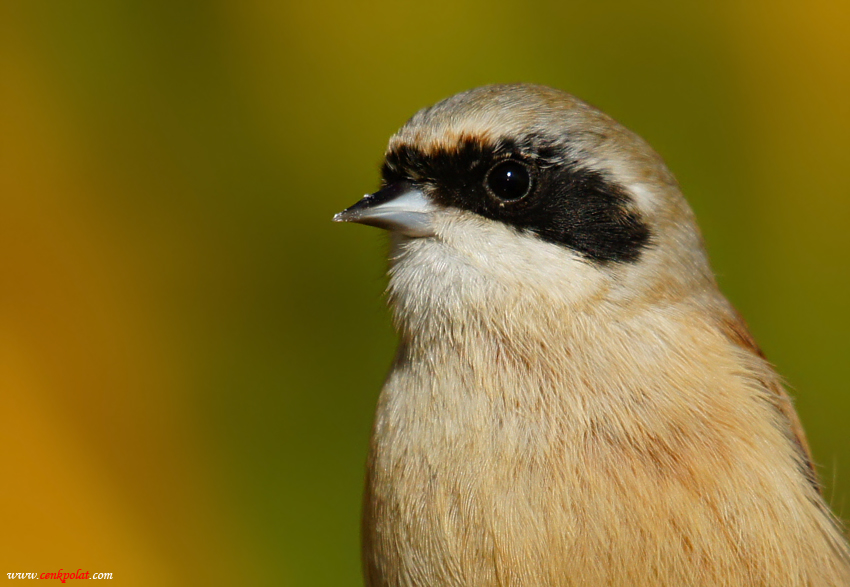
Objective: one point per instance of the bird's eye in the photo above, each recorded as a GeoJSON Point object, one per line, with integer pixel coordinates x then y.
{"type": "Point", "coordinates": [508, 181]}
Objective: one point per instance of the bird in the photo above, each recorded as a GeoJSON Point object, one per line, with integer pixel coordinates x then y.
{"type": "Point", "coordinates": [573, 401]}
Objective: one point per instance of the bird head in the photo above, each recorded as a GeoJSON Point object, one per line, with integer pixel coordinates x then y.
{"type": "Point", "coordinates": [518, 192]}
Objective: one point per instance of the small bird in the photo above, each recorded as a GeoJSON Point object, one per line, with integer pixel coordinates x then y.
{"type": "Point", "coordinates": [573, 402]}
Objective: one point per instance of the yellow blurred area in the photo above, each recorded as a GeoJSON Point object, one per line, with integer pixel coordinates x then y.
{"type": "Point", "coordinates": [190, 351]}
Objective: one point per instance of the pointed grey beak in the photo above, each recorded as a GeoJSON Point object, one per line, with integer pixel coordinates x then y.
{"type": "Point", "coordinates": [399, 207]}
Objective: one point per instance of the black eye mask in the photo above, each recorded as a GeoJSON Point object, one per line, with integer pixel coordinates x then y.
{"type": "Point", "coordinates": [534, 187]}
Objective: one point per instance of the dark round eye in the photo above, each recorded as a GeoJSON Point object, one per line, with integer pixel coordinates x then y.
{"type": "Point", "coordinates": [509, 180]}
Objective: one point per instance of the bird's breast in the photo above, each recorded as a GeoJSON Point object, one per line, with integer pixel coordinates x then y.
{"type": "Point", "coordinates": [496, 464]}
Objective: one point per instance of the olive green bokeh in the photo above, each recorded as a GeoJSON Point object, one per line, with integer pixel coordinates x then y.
{"type": "Point", "coordinates": [211, 144]}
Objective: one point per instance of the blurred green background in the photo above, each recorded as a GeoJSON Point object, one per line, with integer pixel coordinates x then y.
{"type": "Point", "coordinates": [190, 351]}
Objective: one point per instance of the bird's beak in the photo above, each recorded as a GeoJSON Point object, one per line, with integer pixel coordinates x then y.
{"type": "Point", "coordinates": [399, 207]}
